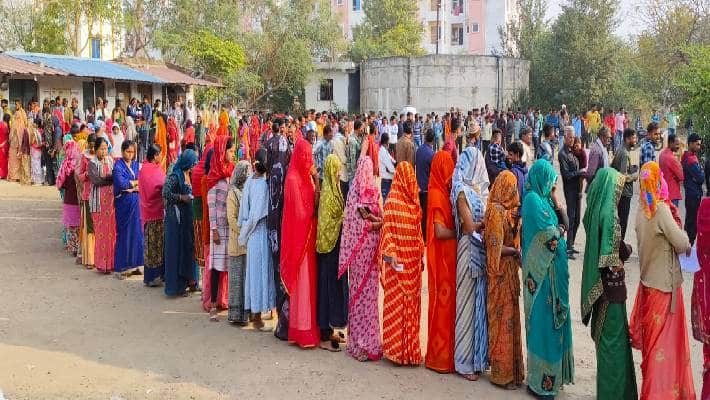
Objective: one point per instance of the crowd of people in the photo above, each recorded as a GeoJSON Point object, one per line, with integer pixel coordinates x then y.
{"type": "Point", "coordinates": [307, 216]}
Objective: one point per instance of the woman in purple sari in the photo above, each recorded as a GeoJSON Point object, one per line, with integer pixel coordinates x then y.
{"type": "Point", "coordinates": [129, 235]}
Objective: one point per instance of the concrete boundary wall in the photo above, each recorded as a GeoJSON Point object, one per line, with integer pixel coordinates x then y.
{"type": "Point", "coordinates": [435, 83]}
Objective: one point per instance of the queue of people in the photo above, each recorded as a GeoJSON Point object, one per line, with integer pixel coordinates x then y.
{"type": "Point", "coordinates": [308, 217]}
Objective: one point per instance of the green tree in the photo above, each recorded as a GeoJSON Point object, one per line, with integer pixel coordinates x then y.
{"type": "Point", "coordinates": [693, 81]}
{"type": "Point", "coordinates": [389, 28]}
{"type": "Point", "coordinates": [33, 29]}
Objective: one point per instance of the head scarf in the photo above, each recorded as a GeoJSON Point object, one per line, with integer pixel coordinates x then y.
{"type": "Point", "coordinates": [504, 191]}
{"type": "Point", "coordinates": [442, 168]}
{"type": "Point", "coordinates": [601, 222]}
{"type": "Point", "coordinates": [356, 237]}
{"type": "Point", "coordinates": [541, 179]}
{"type": "Point", "coordinates": [131, 132]}
{"type": "Point", "coordinates": [298, 221]}
{"type": "Point", "coordinates": [219, 169]}
{"type": "Point", "coordinates": [70, 162]}
{"type": "Point", "coordinates": [650, 195]}
{"type": "Point", "coordinates": [330, 206]}
{"type": "Point", "coordinates": [161, 139]}
{"type": "Point", "coordinates": [241, 172]}
{"type": "Point", "coordinates": [470, 178]}
{"type": "Point", "coordinates": [187, 160]}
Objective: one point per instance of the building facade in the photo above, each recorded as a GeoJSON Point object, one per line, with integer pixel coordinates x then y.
{"type": "Point", "coordinates": [464, 26]}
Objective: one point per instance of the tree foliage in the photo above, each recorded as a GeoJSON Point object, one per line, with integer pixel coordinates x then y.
{"type": "Point", "coordinates": [33, 29]}
{"type": "Point", "coordinates": [693, 81]}
{"type": "Point", "coordinates": [389, 28]}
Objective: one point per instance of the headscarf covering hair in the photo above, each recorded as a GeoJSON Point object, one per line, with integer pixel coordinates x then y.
{"type": "Point", "coordinates": [131, 132]}
{"type": "Point", "coordinates": [504, 191]}
{"type": "Point", "coordinates": [664, 196]}
{"type": "Point", "coordinates": [470, 178]}
{"type": "Point", "coordinates": [218, 167]}
{"type": "Point", "coordinates": [70, 162]}
{"type": "Point", "coordinates": [185, 161]}
{"type": "Point", "coordinates": [331, 207]}
{"type": "Point", "coordinates": [541, 179]}
{"type": "Point", "coordinates": [241, 172]}
{"type": "Point", "coordinates": [650, 177]}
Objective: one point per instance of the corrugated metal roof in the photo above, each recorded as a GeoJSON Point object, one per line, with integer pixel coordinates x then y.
{"type": "Point", "coordinates": [87, 67]}
{"type": "Point", "coordinates": [12, 65]}
{"type": "Point", "coordinates": [171, 75]}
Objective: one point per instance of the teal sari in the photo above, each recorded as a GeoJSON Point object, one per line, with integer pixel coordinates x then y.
{"type": "Point", "coordinates": [546, 287]}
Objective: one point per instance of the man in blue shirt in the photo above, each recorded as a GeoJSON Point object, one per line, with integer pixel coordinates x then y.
{"type": "Point", "coordinates": [648, 148]}
{"type": "Point", "coordinates": [423, 157]}
{"type": "Point", "coordinates": [553, 120]}
{"type": "Point", "coordinates": [418, 125]}
{"type": "Point", "coordinates": [577, 124]}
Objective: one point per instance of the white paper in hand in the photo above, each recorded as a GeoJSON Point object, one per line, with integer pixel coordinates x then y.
{"type": "Point", "coordinates": [690, 264]}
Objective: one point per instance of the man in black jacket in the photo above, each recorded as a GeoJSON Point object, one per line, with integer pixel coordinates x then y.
{"type": "Point", "coordinates": [571, 176]}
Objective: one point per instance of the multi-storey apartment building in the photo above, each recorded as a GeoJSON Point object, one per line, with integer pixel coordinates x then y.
{"type": "Point", "coordinates": [450, 26]}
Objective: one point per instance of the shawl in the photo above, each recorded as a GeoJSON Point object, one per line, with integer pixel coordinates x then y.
{"type": "Point", "coordinates": [161, 139]}
{"type": "Point", "coordinates": [131, 132]}
{"type": "Point", "coordinates": [356, 236]}
{"type": "Point", "coordinates": [187, 160]}
{"type": "Point", "coordinates": [150, 182]}
{"type": "Point", "coordinates": [541, 179]}
{"type": "Point", "coordinates": [442, 168]}
{"type": "Point", "coordinates": [219, 168]}
{"type": "Point", "coordinates": [94, 196]}
{"type": "Point", "coordinates": [601, 222]}
{"type": "Point", "coordinates": [470, 178]}
{"type": "Point", "coordinates": [298, 225]}
{"type": "Point", "coordinates": [69, 164]}
{"type": "Point", "coordinates": [199, 171]}
{"type": "Point", "coordinates": [330, 207]}
{"type": "Point", "coordinates": [402, 228]}
{"type": "Point", "coordinates": [223, 123]}
{"type": "Point", "coordinates": [650, 194]}
{"type": "Point", "coordinates": [502, 202]}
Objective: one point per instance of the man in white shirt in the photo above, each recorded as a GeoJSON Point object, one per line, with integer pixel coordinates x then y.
{"type": "Point", "coordinates": [528, 151]}
{"type": "Point", "coordinates": [190, 112]}
{"type": "Point", "coordinates": [393, 132]}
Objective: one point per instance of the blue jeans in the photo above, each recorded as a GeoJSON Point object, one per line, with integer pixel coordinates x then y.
{"type": "Point", "coordinates": [417, 141]}
{"type": "Point", "coordinates": [618, 139]}
{"type": "Point", "coordinates": [385, 185]}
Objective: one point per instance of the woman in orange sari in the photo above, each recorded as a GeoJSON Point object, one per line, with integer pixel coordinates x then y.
{"type": "Point", "coordinates": [161, 139]}
{"type": "Point", "coordinates": [505, 351]}
{"type": "Point", "coordinates": [223, 123]}
{"type": "Point", "coordinates": [441, 262]}
{"type": "Point", "coordinates": [298, 245]}
{"type": "Point", "coordinates": [658, 326]}
{"type": "Point", "coordinates": [402, 249]}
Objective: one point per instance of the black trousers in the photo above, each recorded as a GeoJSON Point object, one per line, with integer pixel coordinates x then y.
{"type": "Point", "coordinates": [423, 203]}
{"type": "Point", "coordinates": [214, 284]}
{"type": "Point", "coordinates": [623, 212]}
{"type": "Point", "coordinates": [281, 331]}
{"type": "Point", "coordinates": [486, 143]}
{"type": "Point", "coordinates": [573, 200]}
{"type": "Point", "coordinates": [345, 188]}
{"type": "Point", "coordinates": [691, 214]}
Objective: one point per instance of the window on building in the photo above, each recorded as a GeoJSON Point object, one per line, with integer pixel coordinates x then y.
{"type": "Point", "coordinates": [326, 90]}
{"type": "Point", "coordinates": [457, 35]}
{"type": "Point", "coordinates": [456, 7]}
{"type": "Point", "coordinates": [434, 33]}
{"type": "Point", "coordinates": [95, 48]}
{"type": "Point", "coordinates": [475, 28]}
{"type": "Point", "coordinates": [356, 5]}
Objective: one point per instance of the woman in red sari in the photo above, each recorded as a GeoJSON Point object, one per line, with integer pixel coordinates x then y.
{"type": "Point", "coordinates": [700, 305]}
{"type": "Point", "coordinates": [402, 249]}
{"type": "Point", "coordinates": [441, 263]}
{"type": "Point", "coordinates": [657, 325]}
{"type": "Point", "coordinates": [173, 141]}
{"type": "Point", "coordinates": [4, 145]}
{"type": "Point", "coordinates": [298, 245]}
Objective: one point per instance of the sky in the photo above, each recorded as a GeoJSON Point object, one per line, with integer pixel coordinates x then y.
{"type": "Point", "coordinates": [628, 26]}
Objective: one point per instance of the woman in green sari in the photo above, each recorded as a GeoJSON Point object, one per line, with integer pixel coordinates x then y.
{"type": "Point", "coordinates": [546, 286]}
{"type": "Point", "coordinates": [604, 290]}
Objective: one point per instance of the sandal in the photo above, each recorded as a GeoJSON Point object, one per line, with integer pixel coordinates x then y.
{"type": "Point", "coordinates": [471, 377]}
{"type": "Point", "coordinates": [334, 346]}
{"type": "Point", "coordinates": [213, 315]}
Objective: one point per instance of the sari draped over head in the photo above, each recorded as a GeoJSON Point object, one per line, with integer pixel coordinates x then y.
{"type": "Point", "coordinates": [223, 123]}
{"type": "Point", "coordinates": [546, 291]}
{"type": "Point", "coordinates": [700, 304]}
{"type": "Point", "coordinates": [650, 182]}
{"type": "Point", "coordinates": [504, 340]}
{"type": "Point", "coordinates": [330, 207]}
{"type": "Point", "coordinates": [603, 289]}
{"type": "Point", "coordinates": [402, 239]}
{"type": "Point", "coordinates": [173, 141]}
{"type": "Point", "coordinates": [441, 263]}
{"type": "Point", "coordinates": [69, 164]}
{"type": "Point", "coordinates": [219, 168]}
{"type": "Point", "coordinates": [470, 180]}
{"type": "Point", "coordinates": [187, 160]}
{"type": "Point", "coordinates": [161, 139]}
{"type": "Point", "coordinates": [298, 247]}
{"type": "Point", "coordinates": [131, 132]}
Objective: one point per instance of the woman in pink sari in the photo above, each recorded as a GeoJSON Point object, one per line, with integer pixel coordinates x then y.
{"type": "Point", "coordinates": [700, 304]}
{"type": "Point", "coordinates": [298, 245]}
{"type": "Point", "coordinates": [657, 325]}
{"type": "Point", "coordinates": [359, 258]}
{"type": "Point", "coordinates": [101, 206]}
{"type": "Point", "coordinates": [4, 145]}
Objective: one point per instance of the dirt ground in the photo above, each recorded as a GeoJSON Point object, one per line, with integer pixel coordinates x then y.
{"type": "Point", "coordinates": [68, 333]}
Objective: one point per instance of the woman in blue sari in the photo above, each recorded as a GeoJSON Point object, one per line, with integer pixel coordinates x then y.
{"type": "Point", "coordinates": [179, 256]}
{"type": "Point", "coordinates": [128, 256]}
{"type": "Point", "coordinates": [546, 286]}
